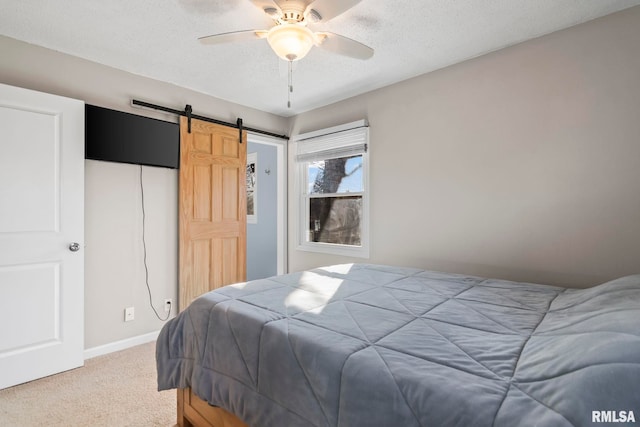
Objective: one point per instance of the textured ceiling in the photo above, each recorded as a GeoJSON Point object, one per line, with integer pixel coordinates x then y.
{"type": "Point", "coordinates": [158, 39]}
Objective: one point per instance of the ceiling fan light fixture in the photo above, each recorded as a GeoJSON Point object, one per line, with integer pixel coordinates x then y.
{"type": "Point", "coordinates": [291, 42]}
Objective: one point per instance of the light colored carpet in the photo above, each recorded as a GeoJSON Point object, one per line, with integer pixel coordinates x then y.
{"type": "Point", "coordinates": [118, 389]}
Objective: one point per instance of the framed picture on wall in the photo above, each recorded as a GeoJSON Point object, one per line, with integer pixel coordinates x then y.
{"type": "Point", "coordinates": [252, 188]}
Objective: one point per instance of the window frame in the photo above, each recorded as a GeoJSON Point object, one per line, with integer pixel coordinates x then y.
{"type": "Point", "coordinates": [302, 189]}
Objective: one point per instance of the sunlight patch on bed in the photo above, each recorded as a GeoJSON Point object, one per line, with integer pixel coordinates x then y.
{"type": "Point", "coordinates": [315, 291]}
{"type": "Point", "coordinates": [319, 283]}
{"type": "Point", "coordinates": [339, 269]}
{"type": "Point", "coordinates": [240, 285]}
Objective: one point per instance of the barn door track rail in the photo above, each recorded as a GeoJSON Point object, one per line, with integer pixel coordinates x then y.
{"type": "Point", "coordinates": [188, 113]}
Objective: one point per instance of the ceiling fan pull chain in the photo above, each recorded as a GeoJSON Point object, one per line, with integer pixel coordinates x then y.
{"type": "Point", "coordinates": [290, 84]}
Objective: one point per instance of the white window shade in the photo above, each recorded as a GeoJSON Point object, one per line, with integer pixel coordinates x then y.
{"type": "Point", "coordinates": [340, 144]}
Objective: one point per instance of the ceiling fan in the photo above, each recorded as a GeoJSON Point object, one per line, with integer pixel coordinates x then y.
{"type": "Point", "coordinates": [290, 38]}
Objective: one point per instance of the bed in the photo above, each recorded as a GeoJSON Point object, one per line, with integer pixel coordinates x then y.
{"type": "Point", "coordinates": [375, 345]}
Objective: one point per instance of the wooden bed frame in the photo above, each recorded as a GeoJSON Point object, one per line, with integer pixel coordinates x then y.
{"type": "Point", "coordinates": [195, 412]}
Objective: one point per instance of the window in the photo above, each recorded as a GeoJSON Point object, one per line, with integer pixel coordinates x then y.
{"type": "Point", "coordinates": [333, 180]}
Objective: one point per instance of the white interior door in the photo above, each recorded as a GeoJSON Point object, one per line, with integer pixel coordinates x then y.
{"type": "Point", "coordinates": [41, 217]}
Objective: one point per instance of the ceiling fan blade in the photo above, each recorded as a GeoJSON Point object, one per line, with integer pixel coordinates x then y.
{"type": "Point", "coordinates": [234, 36]}
{"type": "Point", "coordinates": [344, 46]}
{"type": "Point", "coordinates": [329, 9]}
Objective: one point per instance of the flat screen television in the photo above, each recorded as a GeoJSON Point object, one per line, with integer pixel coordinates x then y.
{"type": "Point", "coordinates": [115, 136]}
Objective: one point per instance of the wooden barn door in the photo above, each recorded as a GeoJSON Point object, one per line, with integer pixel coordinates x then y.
{"type": "Point", "coordinates": [212, 208]}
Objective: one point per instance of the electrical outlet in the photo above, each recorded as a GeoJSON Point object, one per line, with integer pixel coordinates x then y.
{"type": "Point", "coordinates": [167, 305]}
{"type": "Point", "coordinates": [128, 314]}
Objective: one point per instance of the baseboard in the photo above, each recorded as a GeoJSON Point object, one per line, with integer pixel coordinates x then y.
{"type": "Point", "coordinates": [120, 345]}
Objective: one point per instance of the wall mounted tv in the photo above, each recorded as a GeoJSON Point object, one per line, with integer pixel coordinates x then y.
{"type": "Point", "coordinates": [115, 136]}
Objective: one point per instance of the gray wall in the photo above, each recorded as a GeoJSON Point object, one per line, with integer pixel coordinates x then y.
{"type": "Point", "coordinates": [114, 269]}
{"type": "Point", "coordinates": [114, 273]}
{"type": "Point", "coordinates": [262, 239]}
{"type": "Point", "coordinates": [522, 164]}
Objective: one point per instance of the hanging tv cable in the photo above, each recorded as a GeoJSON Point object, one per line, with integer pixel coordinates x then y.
{"type": "Point", "coordinates": [144, 248]}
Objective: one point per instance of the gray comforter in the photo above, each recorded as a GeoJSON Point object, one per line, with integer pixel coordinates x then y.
{"type": "Point", "coordinates": [370, 345]}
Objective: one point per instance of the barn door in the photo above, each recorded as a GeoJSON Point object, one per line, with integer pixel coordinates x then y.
{"type": "Point", "coordinates": [212, 208]}
{"type": "Point", "coordinates": [41, 234]}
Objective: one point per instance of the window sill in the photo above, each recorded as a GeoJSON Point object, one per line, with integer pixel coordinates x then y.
{"type": "Point", "coordinates": [334, 249]}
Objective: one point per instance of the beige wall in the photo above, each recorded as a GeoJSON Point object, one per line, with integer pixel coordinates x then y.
{"type": "Point", "coordinates": [522, 164]}
{"type": "Point", "coordinates": [114, 271]}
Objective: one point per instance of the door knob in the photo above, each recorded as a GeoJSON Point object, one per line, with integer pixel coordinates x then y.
{"type": "Point", "coordinates": [74, 247]}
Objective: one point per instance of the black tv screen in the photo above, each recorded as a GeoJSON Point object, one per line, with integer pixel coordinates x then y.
{"type": "Point", "coordinates": [115, 136]}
